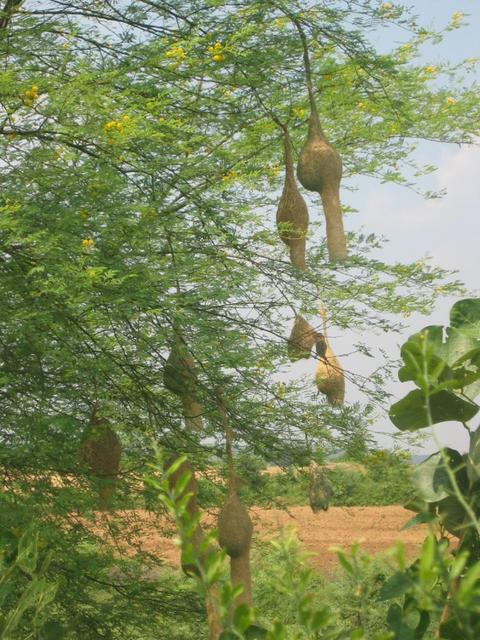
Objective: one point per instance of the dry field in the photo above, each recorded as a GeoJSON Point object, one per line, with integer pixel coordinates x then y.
{"type": "Point", "coordinates": [375, 528]}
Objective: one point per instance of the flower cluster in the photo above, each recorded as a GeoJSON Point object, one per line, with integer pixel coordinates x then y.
{"type": "Point", "coordinates": [386, 10]}
{"type": "Point", "coordinates": [115, 126]}
{"type": "Point", "coordinates": [231, 175]}
{"type": "Point", "coordinates": [176, 52]}
{"type": "Point", "coordinates": [298, 112]}
{"type": "Point", "coordinates": [216, 52]}
{"type": "Point", "coordinates": [30, 95]}
{"type": "Point", "coordinates": [87, 244]}
{"type": "Point", "coordinates": [457, 17]}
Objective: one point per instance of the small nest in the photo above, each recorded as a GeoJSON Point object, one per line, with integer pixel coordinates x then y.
{"type": "Point", "coordinates": [101, 449]}
{"type": "Point", "coordinates": [329, 378]}
{"type": "Point", "coordinates": [180, 378]}
{"type": "Point", "coordinates": [292, 212]}
{"type": "Point", "coordinates": [301, 340]}
{"type": "Point", "coordinates": [320, 491]}
{"type": "Point", "coordinates": [234, 527]}
{"type": "Point", "coordinates": [179, 374]}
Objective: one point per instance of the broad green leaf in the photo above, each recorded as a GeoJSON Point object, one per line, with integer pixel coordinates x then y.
{"type": "Point", "coordinates": [417, 411]}
{"type": "Point", "coordinates": [421, 518]}
{"type": "Point", "coordinates": [431, 478]}
{"type": "Point", "coordinates": [452, 515]}
{"type": "Point", "coordinates": [395, 586]}
{"type": "Point", "coordinates": [465, 316]}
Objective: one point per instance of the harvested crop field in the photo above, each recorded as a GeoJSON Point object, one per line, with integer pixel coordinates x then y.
{"type": "Point", "coordinates": [375, 528]}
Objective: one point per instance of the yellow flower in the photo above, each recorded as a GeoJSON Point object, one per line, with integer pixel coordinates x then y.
{"type": "Point", "coordinates": [457, 17]}
{"type": "Point", "coordinates": [298, 112]}
{"type": "Point", "coordinates": [231, 175]}
{"type": "Point", "coordinates": [30, 95]}
{"type": "Point", "coordinates": [177, 52]}
{"type": "Point", "coordinates": [218, 57]}
{"type": "Point", "coordinates": [451, 100]}
{"type": "Point", "coordinates": [430, 69]}
{"type": "Point", "coordinates": [87, 244]}
{"type": "Point", "coordinates": [361, 105]}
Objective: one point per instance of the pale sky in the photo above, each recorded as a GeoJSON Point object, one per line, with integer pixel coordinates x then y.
{"type": "Point", "coordinates": [448, 229]}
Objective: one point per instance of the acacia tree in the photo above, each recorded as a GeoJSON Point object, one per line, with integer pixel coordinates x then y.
{"type": "Point", "coordinates": [141, 167]}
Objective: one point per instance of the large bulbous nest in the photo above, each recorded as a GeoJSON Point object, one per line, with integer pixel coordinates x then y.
{"type": "Point", "coordinates": [330, 379]}
{"type": "Point", "coordinates": [234, 527]}
{"type": "Point", "coordinates": [301, 339]}
{"type": "Point", "coordinates": [319, 165]}
{"type": "Point", "coordinates": [320, 169]}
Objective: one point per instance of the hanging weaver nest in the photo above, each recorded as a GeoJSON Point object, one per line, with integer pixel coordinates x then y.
{"type": "Point", "coordinates": [329, 378]}
{"type": "Point", "coordinates": [180, 378]}
{"type": "Point", "coordinates": [320, 169]}
{"type": "Point", "coordinates": [234, 527]}
{"type": "Point", "coordinates": [101, 451]}
{"type": "Point", "coordinates": [320, 491]}
{"type": "Point", "coordinates": [301, 339]}
{"type": "Point", "coordinates": [292, 212]}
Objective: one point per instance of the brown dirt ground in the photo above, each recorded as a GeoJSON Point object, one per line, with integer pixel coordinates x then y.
{"type": "Point", "coordinates": [375, 528]}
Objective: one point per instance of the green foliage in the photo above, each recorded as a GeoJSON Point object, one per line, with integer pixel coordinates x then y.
{"type": "Point", "coordinates": [26, 593]}
{"type": "Point", "coordinates": [445, 366]}
{"type": "Point", "coordinates": [139, 159]}
{"type": "Point", "coordinates": [383, 478]}
{"type": "Point", "coordinates": [446, 371]}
